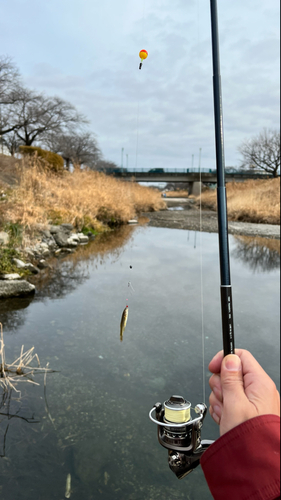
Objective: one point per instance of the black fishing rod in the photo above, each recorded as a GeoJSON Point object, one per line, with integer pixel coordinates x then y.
{"type": "Point", "coordinates": [178, 431]}
{"type": "Point", "coordinates": [226, 289]}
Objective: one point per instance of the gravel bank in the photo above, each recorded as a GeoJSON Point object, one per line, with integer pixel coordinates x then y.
{"type": "Point", "coordinates": [189, 218]}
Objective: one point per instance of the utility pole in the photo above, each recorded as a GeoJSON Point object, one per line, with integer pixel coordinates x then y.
{"type": "Point", "coordinates": [122, 153]}
{"type": "Point", "coordinates": [200, 151]}
{"type": "Point", "coordinates": [127, 162]}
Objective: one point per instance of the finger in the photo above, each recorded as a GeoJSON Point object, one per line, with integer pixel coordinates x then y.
{"type": "Point", "coordinates": [215, 385]}
{"type": "Point", "coordinates": [215, 363]}
{"type": "Point", "coordinates": [214, 416]}
{"type": "Point", "coordinates": [215, 402]}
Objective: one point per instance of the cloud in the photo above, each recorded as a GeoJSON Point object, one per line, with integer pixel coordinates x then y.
{"type": "Point", "coordinates": [87, 52]}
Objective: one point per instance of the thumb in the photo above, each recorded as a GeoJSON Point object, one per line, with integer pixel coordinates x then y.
{"type": "Point", "coordinates": [232, 381]}
{"type": "Point", "coordinates": [234, 398]}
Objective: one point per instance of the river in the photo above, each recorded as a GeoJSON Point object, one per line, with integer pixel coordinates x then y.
{"type": "Point", "coordinates": [92, 417]}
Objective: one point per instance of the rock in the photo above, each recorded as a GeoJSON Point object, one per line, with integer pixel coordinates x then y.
{"type": "Point", "coordinates": [74, 237]}
{"type": "Point", "coordinates": [4, 238]}
{"type": "Point", "coordinates": [13, 276]}
{"type": "Point", "coordinates": [29, 252]}
{"type": "Point", "coordinates": [63, 250]}
{"type": "Point", "coordinates": [43, 246]}
{"type": "Point", "coordinates": [61, 239]}
{"type": "Point", "coordinates": [51, 244]}
{"type": "Point", "coordinates": [42, 264]}
{"type": "Point", "coordinates": [30, 267]}
{"type": "Point", "coordinates": [16, 288]}
{"type": "Point", "coordinates": [19, 263]}
{"type": "Point", "coordinates": [43, 249]}
{"type": "Point", "coordinates": [82, 238]}
{"type": "Point", "coordinates": [71, 242]}
{"type": "Point", "coordinates": [67, 227]}
{"type": "Point", "coordinates": [46, 233]}
{"type": "Point", "coordinates": [54, 230]}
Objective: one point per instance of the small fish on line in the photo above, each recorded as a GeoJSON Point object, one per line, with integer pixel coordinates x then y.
{"type": "Point", "coordinates": [124, 322]}
{"type": "Point", "coordinates": [68, 486]}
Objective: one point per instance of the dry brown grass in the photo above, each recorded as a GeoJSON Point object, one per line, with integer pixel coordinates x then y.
{"type": "Point", "coordinates": [177, 194]}
{"type": "Point", "coordinates": [82, 198]}
{"type": "Point", "coordinates": [249, 201]}
{"type": "Point", "coordinates": [8, 171]}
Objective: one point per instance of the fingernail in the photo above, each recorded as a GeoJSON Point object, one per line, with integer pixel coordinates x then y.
{"type": "Point", "coordinates": [216, 418]}
{"type": "Point", "coordinates": [233, 363]}
{"type": "Point", "coordinates": [217, 410]}
{"type": "Point", "coordinates": [217, 393]}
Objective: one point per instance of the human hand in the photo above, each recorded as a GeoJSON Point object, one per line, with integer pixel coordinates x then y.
{"type": "Point", "coordinates": [241, 390]}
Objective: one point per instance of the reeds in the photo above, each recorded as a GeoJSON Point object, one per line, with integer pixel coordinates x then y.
{"type": "Point", "coordinates": [250, 201]}
{"type": "Point", "coordinates": [82, 198]}
{"type": "Point", "coordinates": [21, 370]}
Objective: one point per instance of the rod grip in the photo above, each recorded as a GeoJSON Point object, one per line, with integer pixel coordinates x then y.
{"type": "Point", "coordinates": [227, 320]}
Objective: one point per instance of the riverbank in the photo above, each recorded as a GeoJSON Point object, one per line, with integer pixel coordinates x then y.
{"type": "Point", "coordinates": [183, 214]}
{"type": "Point", "coordinates": [33, 199]}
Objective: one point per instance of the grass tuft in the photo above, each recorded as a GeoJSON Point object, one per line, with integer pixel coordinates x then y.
{"type": "Point", "coordinates": [250, 201]}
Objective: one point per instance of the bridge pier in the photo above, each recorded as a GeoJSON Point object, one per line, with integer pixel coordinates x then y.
{"type": "Point", "coordinates": [195, 188]}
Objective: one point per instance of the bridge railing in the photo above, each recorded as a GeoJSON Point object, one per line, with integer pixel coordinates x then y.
{"type": "Point", "coordinates": [155, 171]}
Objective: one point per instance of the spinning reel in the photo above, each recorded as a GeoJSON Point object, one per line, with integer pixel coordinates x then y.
{"type": "Point", "coordinates": [180, 434]}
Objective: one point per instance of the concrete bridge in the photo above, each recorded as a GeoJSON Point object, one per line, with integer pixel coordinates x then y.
{"type": "Point", "coordinates": [208, 176]}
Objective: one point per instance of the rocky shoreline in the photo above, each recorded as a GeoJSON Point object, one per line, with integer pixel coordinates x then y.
{"type": "Point", "coordinates": [55, 241]}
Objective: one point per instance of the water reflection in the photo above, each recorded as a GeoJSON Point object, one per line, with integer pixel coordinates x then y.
{"type": "Point", "coordinates": [261, 254]}
{"type": "Point", "coordinates": [67, 273]}
{"type": "Point", "coordinates": [11, 409]}
{"type": "Point", "coordinates": [175, 208]}
{"type": "Point", "coordinates": [13, 312]}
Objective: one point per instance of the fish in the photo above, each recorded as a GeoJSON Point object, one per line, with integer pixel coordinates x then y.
{"type": "Point", "coordinates": [68, 486]}
{"type": "Point", "coordinates": [124, 322]}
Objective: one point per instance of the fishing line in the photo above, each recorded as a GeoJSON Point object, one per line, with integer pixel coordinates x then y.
{"type": "Point", "coordinates": [138, 107]}
{"type": "Point", "coordinates": [201, 230]}
{"type": "Point", "coordinates": [137, 145]}
{"type": "Point", "coordinates": [198, 25]}
{"type": "Point", "coordinates": [143, 16]}
{"type": "Point", "coordinates": [201, 285]}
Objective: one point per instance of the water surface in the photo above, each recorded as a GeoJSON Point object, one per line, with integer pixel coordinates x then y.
{"type": "Point", "coordinates": [100, 399]}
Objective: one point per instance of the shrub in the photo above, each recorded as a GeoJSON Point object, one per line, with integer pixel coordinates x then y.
{"type": "Point", "coordinates": [53, 160]}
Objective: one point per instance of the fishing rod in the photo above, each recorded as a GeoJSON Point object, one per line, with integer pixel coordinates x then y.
{"type": "Point", "coordinates": [177, 431]}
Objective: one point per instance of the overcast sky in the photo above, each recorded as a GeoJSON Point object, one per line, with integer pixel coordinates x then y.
{"type": "Point", "coordinates": [86, 51]}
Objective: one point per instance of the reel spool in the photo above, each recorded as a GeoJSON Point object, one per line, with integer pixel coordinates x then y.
{"type": "Point", "coordinates": [180, 434]}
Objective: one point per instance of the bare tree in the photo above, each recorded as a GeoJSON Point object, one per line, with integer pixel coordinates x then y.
{"type": "Point", "coordinates": [262, 152]}
{"type": "Point", "coordinates": [81, 149]}
{"type": "Point", "coordinates": [109, 167]}
{"type": "Point", "coordinates": [37, 115]}
{"type": "Point", "coordinates": [9, 80]}
{"type": "Point", "coordinates": [11, 142]}
{"type": "Point", "coordinates": [10, 90]}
